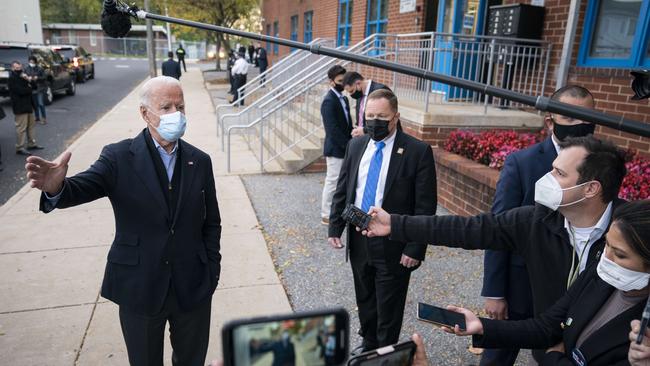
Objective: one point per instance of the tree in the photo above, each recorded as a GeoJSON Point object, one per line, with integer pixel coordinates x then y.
{"type": "Point", "coordinates": [225, 13]}
{"type": "Point", "coordinates": [66, 11]}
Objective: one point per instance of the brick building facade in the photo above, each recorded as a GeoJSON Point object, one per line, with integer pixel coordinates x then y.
{"type": "Point", "coordinates": [610, 83]}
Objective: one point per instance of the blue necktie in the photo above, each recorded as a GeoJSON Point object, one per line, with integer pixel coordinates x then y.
{"type": "Point", "coordinates": [370, 190]}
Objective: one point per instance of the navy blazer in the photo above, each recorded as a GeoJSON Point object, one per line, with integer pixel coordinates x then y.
{"type": "Point", "coordinates": [608, 345]}
{"type": "Point", "coordinates": [504, 273]}
{"type": "Point", "coordinates": [171, 68]}
{"type": "Point", "coordinates": [337, 127]}
{"type": "Point", "coordinates": [152, 250]}
{"type": "Point", "coordinates": [410, 189]}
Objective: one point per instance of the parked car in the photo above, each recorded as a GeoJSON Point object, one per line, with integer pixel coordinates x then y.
{"type": "Point", "coordinates": [59, 78]}
{"type": "Point", "coordinates": [80, 62]}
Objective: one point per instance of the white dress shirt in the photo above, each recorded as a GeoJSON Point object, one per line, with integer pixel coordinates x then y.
{"type": "Point", "coordinates": [584, 238]}
{"type": "Point", "coordinates": [345, 109]}
{"type": "Point", "coordinates": [362, 104]}
{"type": "Point", "coordinates": [240, 67]}
{"type": "Point", "coordinates": [364, 165]}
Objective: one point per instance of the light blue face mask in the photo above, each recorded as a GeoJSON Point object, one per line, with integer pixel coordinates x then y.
{"type": "Point", "coordinates": [172, 126]}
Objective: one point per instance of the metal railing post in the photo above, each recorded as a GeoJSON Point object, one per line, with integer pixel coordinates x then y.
{"type": "Point", "coordinates": [429, 84]}
{"type": "Point", "coordinates": [489, 75]}
{"type": "Point", "coordinates": [396, 60]}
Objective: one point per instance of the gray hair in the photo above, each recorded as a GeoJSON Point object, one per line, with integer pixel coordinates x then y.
{"type": "Point", "coordinates": [151, 84]}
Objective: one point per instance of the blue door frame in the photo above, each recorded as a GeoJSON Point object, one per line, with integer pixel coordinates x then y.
{"type": "Point", "coordinates": [445, 60]}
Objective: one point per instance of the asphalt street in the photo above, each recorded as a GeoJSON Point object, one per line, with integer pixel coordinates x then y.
{"type": "Point", "coordinates": [67, 117]}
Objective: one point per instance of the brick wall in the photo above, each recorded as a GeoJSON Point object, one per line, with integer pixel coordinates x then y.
{"type": "Point", "coordinates": [464, 187]}
{"type": "Point", "coordinates": [611, 87]}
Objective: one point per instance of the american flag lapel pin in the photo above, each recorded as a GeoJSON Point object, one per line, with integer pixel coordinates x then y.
{"type": "Point", "coordinates": [400, 150]}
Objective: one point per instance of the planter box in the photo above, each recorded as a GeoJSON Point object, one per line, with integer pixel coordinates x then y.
{"type": "Point", "coordinates": [464, 186]}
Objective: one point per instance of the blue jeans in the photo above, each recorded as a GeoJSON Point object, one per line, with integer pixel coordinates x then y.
{"type": "Point", "coordinates": [38, 100]}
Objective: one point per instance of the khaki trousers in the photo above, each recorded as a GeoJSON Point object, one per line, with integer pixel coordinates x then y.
{"type": "Point", "coordinates": [25, 131]}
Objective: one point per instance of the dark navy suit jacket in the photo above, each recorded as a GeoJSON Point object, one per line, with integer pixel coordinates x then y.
{"type": "Point", "coordinates": [171, 68]}
{"type": "Point", "coordinates": [151, 248]}
{"type": "Point", "coordinates": [504, 273]}
{"type": "Point", "coordinates": [337, 127]}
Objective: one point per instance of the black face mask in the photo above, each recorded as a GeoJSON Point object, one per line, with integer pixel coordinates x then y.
{"type": "Point", "coordinates": [579, 130]}
{"type": "Point", "coordinates": [338, 87]}
{"type": "Point", "coordinates": [357, 94]}
{"type": "Point", "coordinates": [377, 129]}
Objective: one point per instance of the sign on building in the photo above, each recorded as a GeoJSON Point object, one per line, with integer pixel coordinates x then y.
{"type": "Point", "coordinates": [406, 6]}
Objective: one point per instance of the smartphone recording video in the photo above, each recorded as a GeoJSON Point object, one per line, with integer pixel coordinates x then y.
{"type": "Point", "coordinates": [315, 339]}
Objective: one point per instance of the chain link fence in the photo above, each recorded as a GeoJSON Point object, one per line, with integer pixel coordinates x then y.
{"type": "Point", "coordinates": [131, 47]}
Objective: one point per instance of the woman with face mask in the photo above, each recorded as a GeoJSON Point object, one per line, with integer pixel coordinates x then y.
{"type": "Point", "coordinates": [591, 323]}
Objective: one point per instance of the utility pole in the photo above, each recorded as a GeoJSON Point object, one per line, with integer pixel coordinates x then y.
{"type": "Point", "coordinates": [169, 32]}
{"type": "Point", "coordinates": [151, 46]}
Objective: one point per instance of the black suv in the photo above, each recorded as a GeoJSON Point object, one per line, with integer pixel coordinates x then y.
{"type": "Point", "coordinates": [59, 78]}
{"type": "Point", "coordinates": [80, 61]}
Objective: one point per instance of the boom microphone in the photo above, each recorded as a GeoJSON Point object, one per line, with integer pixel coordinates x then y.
{"type": "Point", "coordinates": [115, 23]}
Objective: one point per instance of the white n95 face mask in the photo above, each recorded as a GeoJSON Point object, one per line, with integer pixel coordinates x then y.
{"type": "Point", "coordinates": [548, 192]}
{"type": "Point", "coordinates": [620, 277]}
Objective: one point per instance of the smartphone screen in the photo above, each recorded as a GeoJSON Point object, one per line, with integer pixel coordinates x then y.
{"type": "Point", "coordinates": [440, 316]}
{"type": "Point", "coordinates": [398, 355]}
{"type": "Point", "coordinates": [315, 339]}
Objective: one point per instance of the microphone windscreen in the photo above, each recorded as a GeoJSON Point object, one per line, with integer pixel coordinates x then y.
{"type": "Point", "coordinates": [116, 25]}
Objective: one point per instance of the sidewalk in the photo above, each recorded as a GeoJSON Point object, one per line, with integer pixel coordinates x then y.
{"type": "Point", "coordinates": [51, 266]}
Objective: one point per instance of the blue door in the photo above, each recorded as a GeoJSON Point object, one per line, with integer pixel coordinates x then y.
{"type": "Point", "coordinates": [454, 54]}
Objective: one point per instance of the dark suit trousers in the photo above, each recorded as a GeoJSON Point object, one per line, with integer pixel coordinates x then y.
{"type": "Point", "coordinates": [189, 333]}
{"type": "Point", "coordinates": [503, 356]}
{"type": "Point", "coordinates": [380, 294]}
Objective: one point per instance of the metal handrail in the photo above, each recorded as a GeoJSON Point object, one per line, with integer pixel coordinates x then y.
{"type": "Point", "coordinates": [265, 98]}
{"type": "Point", "coordinates": [303, 88]}
{"type": "Point", "coordinates": [276, 69]}
{"type": "Point", "coordinates": [304, 82]}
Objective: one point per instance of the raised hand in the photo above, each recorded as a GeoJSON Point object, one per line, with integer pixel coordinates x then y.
{"type": "Point", "coordinates": [48, 176]}
{"type": "Point", "coordinates": [379, 224]}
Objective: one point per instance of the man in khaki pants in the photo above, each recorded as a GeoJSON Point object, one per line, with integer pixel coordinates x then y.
{"type": "Point", "coordinates": [20, 92]}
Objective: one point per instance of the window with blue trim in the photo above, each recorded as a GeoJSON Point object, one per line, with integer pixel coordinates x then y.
{"type": "Point", "coordinates": [616, 34]}
{"type": "Point", "coordinates": [377, 22]}
{"type": "Point", "coordinates": [345, 23]}
{"type": "Point", "coordinates": [294, 30]}
{"type": "Point", "coordinates": [268, 33]}
{"type": "Point", "coordinates": [308, 26]}
{"type": "Point", "coordinates": [276, 33]}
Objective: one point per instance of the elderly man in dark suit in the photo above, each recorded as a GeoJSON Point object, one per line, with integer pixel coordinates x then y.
{"type": "Point", "coordinates": [505, 279]}
{"type": "Point", "coordinates": [335, 111]}
{"type": "Point", "coordinates": [171, 67]}
{"type": "Point", "coordinates": [164, 263]}
{"type": "Point", "coordinates": [359, 89]}
{"type": "Point", "coordinates": [390, 169]}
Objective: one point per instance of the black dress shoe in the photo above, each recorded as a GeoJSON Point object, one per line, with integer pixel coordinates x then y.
{"type": "Point", "coordinates": [23, 152]}
{"type": "Point", "coordinates": [35, 147]}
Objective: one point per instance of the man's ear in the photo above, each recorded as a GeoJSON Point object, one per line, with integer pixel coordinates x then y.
{"type": "Point", "coordinates": [548, 122]}
{"type": "Point", "coordinates": [593, 189]}
{"type": "Point", "coordinates": [143, 113]}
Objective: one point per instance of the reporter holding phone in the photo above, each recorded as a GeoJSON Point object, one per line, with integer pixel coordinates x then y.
{"type": "Point", "coordinates": [590, 324]}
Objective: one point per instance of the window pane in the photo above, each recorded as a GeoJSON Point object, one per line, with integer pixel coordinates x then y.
{"type": "Point", "coordinates": [372, 15]}
{"type": "Point", "coordinates": [343, 13]}
{"type": "Point", "coordinates": [615, 27]}
{"type": "Point", "coordinates": [349, 12]}
{"type": "Point", "coordinates": [383, 9]}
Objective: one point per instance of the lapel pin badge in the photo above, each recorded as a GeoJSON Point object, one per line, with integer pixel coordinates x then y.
{"type": "Point", "coordinates": [400, 150]}
{"type": "Point", "coordinates": [190, 163]}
